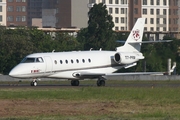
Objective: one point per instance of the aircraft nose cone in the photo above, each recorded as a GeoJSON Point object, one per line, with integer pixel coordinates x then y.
{"type": "Point", "coordinates": [12, 73]}
{"type": "Point", "coordinates": [15, 72]}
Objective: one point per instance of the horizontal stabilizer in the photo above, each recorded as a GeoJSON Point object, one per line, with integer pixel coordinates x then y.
{"type": "Point", "coordinates": [130, 65]}
{"type": "Point", "coordinates": [158, 41]}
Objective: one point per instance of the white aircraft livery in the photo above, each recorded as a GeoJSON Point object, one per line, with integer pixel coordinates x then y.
{"type": "Point", "coordinates": [79, 65]}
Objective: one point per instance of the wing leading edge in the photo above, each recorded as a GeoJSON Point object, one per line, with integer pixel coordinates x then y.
{"type": "Point", "coordinates": [97, 75]}
{"type": "Point", "coordinates": [82, 75]}
{"type": "Point", "coordinates": [136, 73]}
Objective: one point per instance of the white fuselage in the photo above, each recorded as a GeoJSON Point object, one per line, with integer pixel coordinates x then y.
{"type": "Point", "coordinates": [66, 64]}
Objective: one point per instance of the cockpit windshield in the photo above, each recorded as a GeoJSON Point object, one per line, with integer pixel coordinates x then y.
{"type": "Point", "coordinates": [32, 60]}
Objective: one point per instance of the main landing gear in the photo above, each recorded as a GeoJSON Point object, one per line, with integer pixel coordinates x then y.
{"type": "Point", "coordinates": [101, 81]}
{"type": "Point", "coordinates": [34, 82]}
{"type": "Point", "coordinates": [74, 82]}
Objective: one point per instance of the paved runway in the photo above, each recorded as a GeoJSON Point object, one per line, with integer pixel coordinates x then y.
{"type": "Point", "coordinates": [139, 84]}
{"type": "Point", "coordinates": [113, 81]}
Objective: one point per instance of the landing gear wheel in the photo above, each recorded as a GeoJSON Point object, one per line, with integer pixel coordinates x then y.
{"type": "Point", "coordinates": [34, 83]}
{"type": "Point", "coordinates": [101, 83]}
{"type": "Point", "coordinates": [74, 82]}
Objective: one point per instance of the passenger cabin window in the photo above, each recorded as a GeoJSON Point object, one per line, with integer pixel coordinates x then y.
{"type": "Point", "coordinates": [77, 60]}
{"type": "Point", "coordinates": [55, 61]}
{"type": "Point", "coordinates": [73, 61]}
{"type": "Point", "coordinates": [61, 61]}
{"type": "Point", "coordinates": [89, 60]}
{"type": "Point", "coordinates": [32, 60]}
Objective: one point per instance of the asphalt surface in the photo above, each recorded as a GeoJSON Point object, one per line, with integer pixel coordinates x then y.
{"type": "Point", "coordinates": [63, 85]}
{"type": "Point", "coordinates": [112, 81]}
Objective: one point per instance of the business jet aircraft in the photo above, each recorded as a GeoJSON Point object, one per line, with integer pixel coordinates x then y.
{"type": "Point", "coordinates": [79, 65]}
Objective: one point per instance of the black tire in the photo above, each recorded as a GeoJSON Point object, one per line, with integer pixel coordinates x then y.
{"type": "Point", "coordinates": [32, 83]}
{"type": "Point", "coordinates": [101, 83]}
{"type": "Point", "coordinates": [74, 82]}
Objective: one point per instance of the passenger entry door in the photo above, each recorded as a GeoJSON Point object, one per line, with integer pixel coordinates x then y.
{"type": "Point", "coordinates": [49, 65]}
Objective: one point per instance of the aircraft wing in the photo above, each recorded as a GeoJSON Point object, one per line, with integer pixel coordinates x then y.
{"type": "Point", "coordinates": [96, 75]}
{"type": "Point", "coordinates": [136, 73]}
{"type": "Point", "coordinates": [88, 75]}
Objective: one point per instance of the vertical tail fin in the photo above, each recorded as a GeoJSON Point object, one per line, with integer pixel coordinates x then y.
{"type": "Point", "coordinates": [132, 43]}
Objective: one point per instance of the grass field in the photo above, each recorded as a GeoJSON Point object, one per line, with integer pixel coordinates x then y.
{"type": "Point", "coordinates": [92, 103]}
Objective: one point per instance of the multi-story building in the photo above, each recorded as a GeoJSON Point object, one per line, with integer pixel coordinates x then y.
{"type": "Point", "coordinates": [162, 15]}
{"type": "Point", "coordinates": [41, 13]}
{"type": "Point", "coordinates": [49, 4]}
{"type": "Point", "coordinates": [72, 13]}
{"type": "Point", "coordinates": [173, 15]}
{"type": "Point", "coordinates": [34, 10]}
{"type": "Point", "coordinates": [16, 13]}
{"type": "Point", "coordinates": [119, 11]}
{"type": "Point", "coordinates": [3, 12]}
{"type": "Point", "coordinates": [49, 13]}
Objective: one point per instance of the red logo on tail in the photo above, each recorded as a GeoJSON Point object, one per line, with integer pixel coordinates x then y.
{"type": "Point", "coordinates": [136, 34]}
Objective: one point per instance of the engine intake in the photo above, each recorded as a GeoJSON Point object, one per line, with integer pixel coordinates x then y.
{"type": "Point", "coordinates": [127, 58]}
{"type": "Point", "coordinates": [76, 74]}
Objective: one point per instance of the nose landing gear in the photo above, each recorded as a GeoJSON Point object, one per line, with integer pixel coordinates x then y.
{"type": "Point", "coordinates": [34, 82]}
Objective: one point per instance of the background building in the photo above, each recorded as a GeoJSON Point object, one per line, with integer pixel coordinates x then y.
{"type": "Point", "coordinates": [72, 13]}
{"type": "Point", "coordinates": [49, 8]}
{"type": "Point", "coordinates": [119, 10]}
{"type": "Point", "coordinates": [49, 18]}
{"type": "Point", "coordinates": [3, 12]}
{"type": "Point", "coordinates": [162, 15]}
{"type": "Point", "coordinates": [34, 11]}
{"type": "Point", "coordinates": [16, 12]}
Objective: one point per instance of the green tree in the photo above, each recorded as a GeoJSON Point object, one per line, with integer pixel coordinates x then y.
{"type": "Point", "coordinates": [14, 46]}
{"type": "Point", "coordinates": [65, 42]}
{"type": "Point", "coordinates": [39, 39]}
{"type": "Point", "coordinates": [157, 54]}
{"type": "Point", "coordinates": [99, 33]}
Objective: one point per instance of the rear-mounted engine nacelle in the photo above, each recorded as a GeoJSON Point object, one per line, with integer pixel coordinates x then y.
{"type": "Point", "coordinates": [127, 58]}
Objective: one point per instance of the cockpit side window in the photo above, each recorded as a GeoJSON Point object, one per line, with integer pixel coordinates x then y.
{"type": "Point", "coordinates": [32, 60]}
{"type": "Point", "coordinates": [39, 59]}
